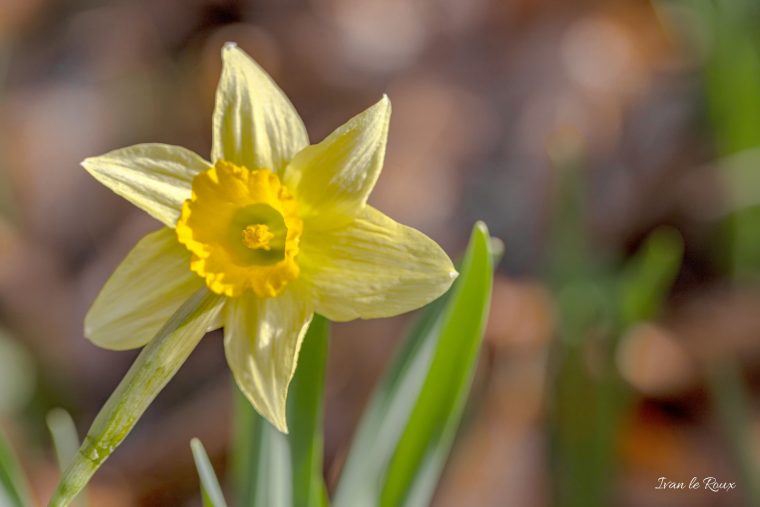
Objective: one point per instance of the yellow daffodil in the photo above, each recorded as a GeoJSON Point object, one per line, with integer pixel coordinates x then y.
{"type": "Point", "coordinates": [271, 230]}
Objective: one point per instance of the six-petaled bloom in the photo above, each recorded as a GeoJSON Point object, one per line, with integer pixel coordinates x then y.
{"type": "Point", "coordinates": [274, 227]}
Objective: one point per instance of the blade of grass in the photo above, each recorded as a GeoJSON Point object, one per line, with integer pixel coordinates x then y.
{"type": "Point", "coordinates": [14, 491]}
{"type": "Point", "coordinates": [66, 442]}
{"type": "Point", "coordinates": [211, 491]}
{"type": "Point", "coordinates": [277, 470]}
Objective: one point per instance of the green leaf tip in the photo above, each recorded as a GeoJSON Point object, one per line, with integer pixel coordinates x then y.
{"type": "Point", "coordinates": [481, 227]}
{"type": "Point", "coordinates": [211, 491]}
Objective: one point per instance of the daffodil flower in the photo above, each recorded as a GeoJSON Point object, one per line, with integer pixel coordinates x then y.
{"type": "Point", "coordinates": [268, 232]}
{"type": "Point", "coordinates": [274, 228]}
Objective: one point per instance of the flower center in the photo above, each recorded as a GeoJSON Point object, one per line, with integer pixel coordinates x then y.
{"type": "Point", "coordinates": [243, 229]}
{"type": "Point", "coordinates": [257, 237]}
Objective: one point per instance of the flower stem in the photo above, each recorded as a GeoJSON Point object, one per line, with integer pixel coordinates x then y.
{"type": "Point", "coordinates": [151, 371]}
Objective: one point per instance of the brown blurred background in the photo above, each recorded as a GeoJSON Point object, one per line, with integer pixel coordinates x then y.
{"type": "Point", "coordinates": [482, 92]}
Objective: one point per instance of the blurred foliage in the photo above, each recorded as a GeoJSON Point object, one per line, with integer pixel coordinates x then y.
{"type": "Point", "coordinates": [14, 491]}
{"type": "Point", "coordinates": [732, 82]}
{"type": "Point", "coordinates": [17, 375]}
{"type": "Point", "coordinates": [598, 301]}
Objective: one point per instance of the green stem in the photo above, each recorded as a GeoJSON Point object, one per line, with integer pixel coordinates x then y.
{"type": "Point", "coordinates": [154, 367]}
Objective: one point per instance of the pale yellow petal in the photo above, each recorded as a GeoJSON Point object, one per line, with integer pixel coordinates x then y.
{"type": "Point", "coordinates": [374, 267]}
{"type": "Point", "coordinates": [254, 124]}
{"type": "Point", "coordinates": [262, 338]}
{"type": "Point", "coordinates": [154, 177]}
{"type": "Point", "coordinates": [144, 291]}
{"type": "Point", "coordinates": [337, 175]}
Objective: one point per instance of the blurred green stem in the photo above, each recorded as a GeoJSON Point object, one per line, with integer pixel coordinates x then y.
{"type": "Point", "coordinates": [731, 400]}
{"type": "Point", "coordinates": [587, 403]}
{"type": "Point", "coordinates": [728, 392]}
{"type": "Point", "coordinates": [733, 77]}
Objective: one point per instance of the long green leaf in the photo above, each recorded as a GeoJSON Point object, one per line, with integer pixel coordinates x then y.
{"type": "Point", "coordinates": [407, 431]}
{"type": "Point", "coordinates": [14, 491]}
{"type": "Point", "coordinates": [419, 458]}
{"type": "Point", "coordinates": [278, 470]}
{"type": "Point", "coordinates": [154, 367]}
{"type": "Point", "coordinates": [386, 415]}
{"type": "Point", "coordinates": [211, 491]}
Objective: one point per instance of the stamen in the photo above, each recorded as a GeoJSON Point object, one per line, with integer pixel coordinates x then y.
{"type": "Point", "coordinates": [252, 242]}
{"type": "Point", "coordinates": [257, 236]}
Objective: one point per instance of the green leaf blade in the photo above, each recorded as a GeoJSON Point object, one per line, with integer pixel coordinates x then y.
{"type": "Point", "coordinates": [14, 491]}
{"type": "Point", "coordinates": [211, 491]}
{"type": "Point", "coordinates": [429, 434]}
{"type": "Point", "coordinates": [386, 415]}
{"type": "Point", "coordinates": [408, 429]}
{"type": "Point", "coordinates": [305, 414]}
{"type": "Point", "coordinates": [277, 470]}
